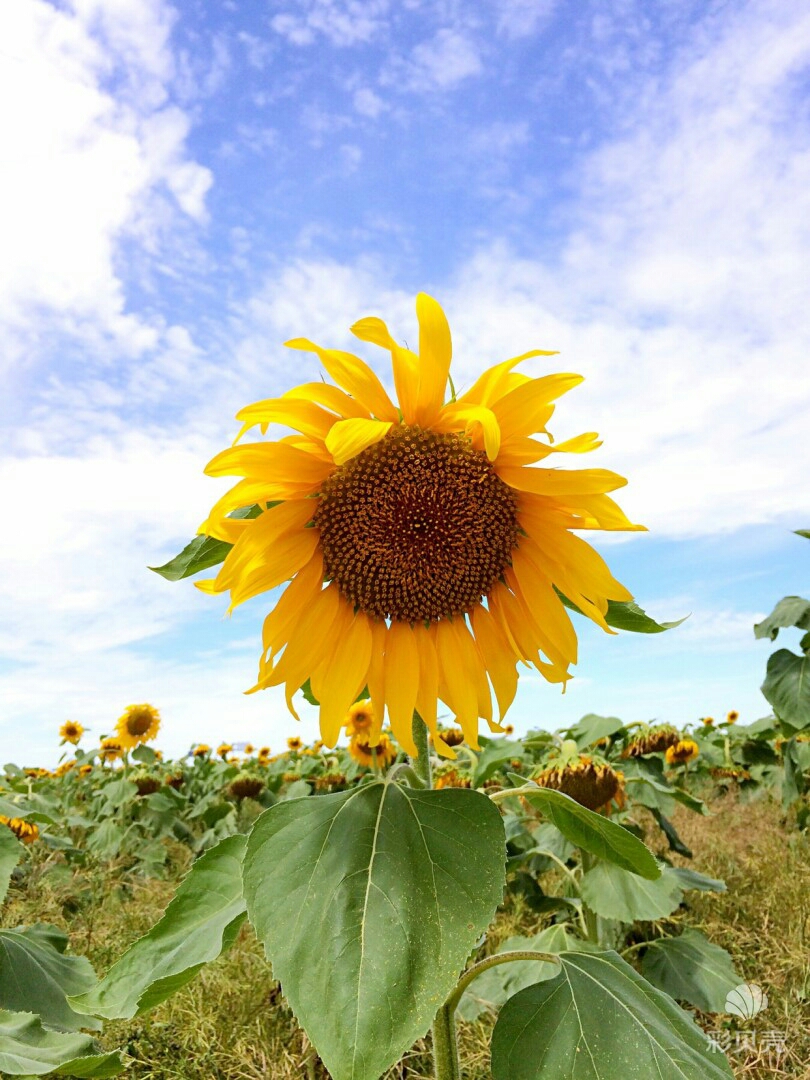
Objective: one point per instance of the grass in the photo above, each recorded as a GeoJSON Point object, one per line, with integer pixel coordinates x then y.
{"type": "Point", "coordinates": [231, 1023]}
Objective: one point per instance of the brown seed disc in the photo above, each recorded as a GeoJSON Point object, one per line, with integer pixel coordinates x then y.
{"type": "Point", "coordinates": [418, 527]}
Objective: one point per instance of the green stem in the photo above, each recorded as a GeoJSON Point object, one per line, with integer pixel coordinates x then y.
{"type": "Point", "coordinates": [591, 920]}
{"type": "Point", "coordinates": [445, 1048]}
{"type": "Point", "coordinates": [421, 763]}
{"type": "Point", "coordinates": [493, 961]}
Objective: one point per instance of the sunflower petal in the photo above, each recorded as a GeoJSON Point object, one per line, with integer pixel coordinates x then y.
{"type": "Point", "coordinates": [562, 482]}
{"type": "Point", "coordinates": [472, 419]}
{"type": "Point", "coordinates": [329, 397]}
{"type": "Point", "coordinates": [347, 671]}
{"type": "Point", "coordinates": [354, 375]}
{"type": "Point", "coordinates": [277, 461]}
{"type": "Point", "coordinates": [350, 437]}
{"type": "Point", "coordinates": [296, 413]}
{"type": "Point", "coordinates": [258, 542]}
{"type": "Point", "coordinates": [498, 656]}
{"type": "Point", "coordinates": [526, 409]}
{"type": "Point", "coordinates": [435, 352]}
{"type": "Point", "coordinates": [401, 681]}
{"type": "Point", "coordinates": [404, 363]}
{"type": "Point", "coordinates": [457, 684]}
{"type": "Point", "coordinates": [280, 623]}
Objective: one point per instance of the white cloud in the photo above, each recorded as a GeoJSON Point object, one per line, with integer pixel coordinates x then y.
{"type": "Point", "coordinates": [342, 22]}
{"type": "Point", "coordinates": [80, 165]}
{"type": "Point", "coordinates": [523, 18]}
{"type": "Point", "coordinates": [440, 63]}
{"type": "Point", "coordinates": [368, 103]}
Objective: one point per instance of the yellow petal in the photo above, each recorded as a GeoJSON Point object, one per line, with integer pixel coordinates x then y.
{"type": "Point", "coordinates": [303, 416]}
{"type": "Point", "coordinates": [401, 680]}
{"type": "Point", "coordinates": [521, 450]}
{"type": "Point", "coordinates": [603, 513]}
{"type": "Point", "coordinates": [376, 678]}
{"type": "Point", "coordinates": [346, 672]}
{"type": "Point", "coordinates": [329, 397]}
{"type": "Point", "coordinates": [546, 607]}
{"type": "Point", "coordinates": [227, 529]}
{"type": "Point", "coordinates": [354, 375]}
{"type": "Point", "coordinates": [428, 692]}
{"type": "Point", "coordinates": [472, 418]}
{"type": "Point", "coordinates": [350, 437]}
{"type": "Point", "coordinates": [251, 492]}
{"type": "Point", "coordinates": [435, 352]}
{"type": "Point", "coordinates": [490, 386]}
{"type": "Point", "coordinates": [526, 409]}
{"type": "Point", "coordinates": [288, 555]}
{"type": "Point", "coordinates": [498, 656]}
{"type": "Point", "coordinates": [258, 541]}
{"type": "Point", "coordinates": [562, 482]}
{"type": "Point", "coordinates": [274, 461]}
{"type": "Point", "coordinates": [281, 621]}
{"type": "Point", "coordinates": [405, 365]}
{"type": "Point", "coordinates": [456, 676]}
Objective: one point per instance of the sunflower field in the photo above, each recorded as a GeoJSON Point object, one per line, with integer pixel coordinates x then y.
{"type": "Point", "coordinates": [409, 896]}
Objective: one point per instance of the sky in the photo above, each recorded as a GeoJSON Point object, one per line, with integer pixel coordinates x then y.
{"type": "Point", "coordinates": [183, 188]}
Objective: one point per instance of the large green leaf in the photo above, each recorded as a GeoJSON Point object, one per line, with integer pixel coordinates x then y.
{"type": "Point", "coordinates": [29, 1049]}
{"type": "Point", "coordinates": [36, 976]}
{"type": "Point", "coordinates": [594, 833]}
{"type": "Point", "coordinates": [613, 893]}
{"type": "Point", "coordinates": [592, 728]}
{"type": "Point", "coordinates": [600, 1020]}
{"type": "Point", "coordinates": [201, 921]}
{"type": "Point", "coordinates": [790, 611]}
{"type": "Point", "coordinates": [11, 851]}
{"type": "Point", "coordinates": [691, 968]}
{"type": "Point", "coordinates": [204, 551]}
{"type": "Point", "coordinates": [496, 754]}
{"type": "Point", "coordinates": [627, 615]}
{"type": "Point", "coordinates": [489, 990]}
{"type": "Point", "coordinates": [369, 903]}
{"type": "Point", "coordinates": [787, 687]}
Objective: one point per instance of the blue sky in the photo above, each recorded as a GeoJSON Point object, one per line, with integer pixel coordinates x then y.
{"type": "Point", "coordinates": [184, 188]}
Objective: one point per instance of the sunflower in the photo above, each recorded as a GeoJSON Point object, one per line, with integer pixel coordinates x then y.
{"type": "Point", "coordinates": [111, 749]}
{"type": "Point", "coordinates": [652, 740]}
{"type": "Point", "coordinates": [363, 751]}
{"type": "Point", "coordinates": [361, 719]}
{"type": "Point", "coordinates": [294, 744]}
{"type": "Point", "coordinates": [71, 732]}
{"type": "Point", "coordinates": [708, 721]}
{"type": "Point", "coordinates": [423, 551]}
{"type": "Point", "coordinates": [593, 785]}
{"type": "Point", "coordinates": [201, 750]}
{"type": "Point", "coordinates": [27, 831]}
{"type": "Point", "coordinates": [682, 751]}
{"type": "Point", "coordinates": [85, 770]}
{"type": "Point", "coordinates": [138, 724]}
{"type": "Point", "coordinates": [224, 749]}
{"type": "Point", "coordinates": [732, 716]}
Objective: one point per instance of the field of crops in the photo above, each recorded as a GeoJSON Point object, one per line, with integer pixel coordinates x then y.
{"type": "Point", "coordinates": [93, 852]}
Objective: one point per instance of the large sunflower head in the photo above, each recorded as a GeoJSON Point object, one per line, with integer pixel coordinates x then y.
{"type": "Point", "coordinates": [425, 549]}
{"type": "Point", "coordinates": [71, 731]}
{"type": "Point", "coordinates": [138, 724]}
{"type": "Point", "coordinates": [110, 749]}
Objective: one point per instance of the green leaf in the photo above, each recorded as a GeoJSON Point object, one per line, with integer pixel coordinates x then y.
{"type": "Point", "coordinates": [11, 851]}
{"type": "Point", "coordinates": [790, 611]}
{"type": "Point", "coordinates": [29, 1049]}
{"type": "Point", "coordinates": [592, 728]}
{"type": "Point", "coordinates": [627, 615]}
{"type": "Point", "coordinates": [594, 833]}
{"type": "Point", "coordinates": [691, 879]}
{"type": "Point", "coordinates": [369, 903]}
{"type": "Point", "coordinates": [613, 893]}
{"type": "Point", "coordinates": [690, 968]}
{"type": "Point", "coordinates": [204, 551]}
{"type": "Point", "coordinates": [803, 532]}
{"type": "Point", "coordinates": [600, 1020]}
{"type": "Point", "coordinates": [36, 977]}
{"type": "Point", "coordinates": [496, 754]}
{"type": "Point", "coordinates": [489, 990]}
{"type": "Point", "coordinates": [787, 687]}
{"type": "Point", "coordinates": [201, 921]}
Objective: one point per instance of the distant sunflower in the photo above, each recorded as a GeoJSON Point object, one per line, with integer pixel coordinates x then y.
{"type": "Point", "coordinates": [424, 554]}
{"type": "Point", "coordinates": [294, 743]}
{"type": "Point", "coordinates": [363, 752]}
{"type": "Point", "coordinates": [224, 749]}
{"type": "Point", "coordinates": [27, 831]}
{"type": "Point", "coordinates": [71, 731]}
{"type": "Point", "coordinates": [138, 724]}
{"type": "Point", "coordinates": [201, 750]}
{"type": "Point", "coordinates": [708, 721]}
{"type": "Point", "coordinates": [361, 720]}
{"type": "Point", "coordinates": [732, 716]}
{"type": "Point", "coordinates": [684, 750]}
{"type": "Point", "coordinates": [111, 749]}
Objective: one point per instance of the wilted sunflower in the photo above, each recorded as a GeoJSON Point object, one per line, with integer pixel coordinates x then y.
{"type": "Point", "coordinates": [111, 749]}
{"type": "Point", "coordinates": [27, 831]}
{"type": "Point", "coordinates": [71, 731]}
{"type": "Point", "coordinates": [450, 777]}
{"type": "Point", "coordinates": [652, 740]}
{"type": "Point", "coordinates": [138, 724]}
{"type": "Point", "coordinates": [684, 750]}
{"type": "Point", "coordinates": [424, 552]}
{"type": "Point", "coordinates": [592, 784]}
{"type": "Point", "coordinates": [361, 749]}
{"type": "Point", "coordinates": [246, 786]}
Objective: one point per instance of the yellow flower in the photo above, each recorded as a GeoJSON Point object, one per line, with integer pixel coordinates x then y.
{"type": "Point", "coordinates": [111, 749]}
{"type": "Point", "coordinates": [732, 717]}
{"type": "Point", "coordinates": [248, 748]}
{"type": "Point", "coordinates": [85, 770]}
{"type": "Point", "coordinates": [139, 724]}
{"type": "Point", "coordinates": [27, 831]}
{"type": "Point", "coordinates": [71, 732]}
{"type": "Point", "coordinates": [708, 721]}
{"type": "Point", "coordinates": [224, 749]}
{"type": "Point", "coordinates": [361, 719]}
{"type": "Point", "coordinates": [294, 743]}
{"type": "Point", "coordinates": [363, 752]}
{"type": "Point", "coordinates": [683, 751]}
{"type": "Point", "coordinates": [422, 551]}
{"type": "Point", "coordinates": [201, 750]}
{"type": "Point", "coordinates": [64, 768]}
{"type": "Point", "coordinates": [450, 777]}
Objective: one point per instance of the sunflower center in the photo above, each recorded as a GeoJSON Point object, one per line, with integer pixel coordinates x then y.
{"type": "Point", "coordinates": [418, 527]}
{"type": "Point", "coordinates": [138, 723]}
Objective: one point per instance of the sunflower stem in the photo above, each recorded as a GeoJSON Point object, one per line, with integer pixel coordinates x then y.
{"type": "Point", "coordinates": [421, 763]}
{"type": "Point", "coordinates": [445, 1048]}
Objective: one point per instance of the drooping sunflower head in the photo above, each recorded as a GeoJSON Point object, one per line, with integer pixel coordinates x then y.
{"type": "Point", "coordinates": [450, 776]}
{"type": "Point", "coordinates": [27, 831]}
{"type": "Point", "coordinates": [652, 740]}
{"type": "Point", "coordinates": [110, 749]}
{"type": "Point", "coordinates": [138, 724]}
{"type": "Point", "coordinates": [452, 736]}
{"type": "Point", "coordinates": [147, 783]}
{"type": "Point", "coordinates": [65, 767]}
{"type": "Point", "coordinates": [246, 786]}
{"type": "Point", "coordinates": [425, 551]}
{"type": "Point", "coordinates": [591, 783]}
{"type": "Point", "coordinates": [71, 731]}
{"type": "Point", "coordinates": [682, 751]}
{"type": "Point", "coordinates": [364, 753]}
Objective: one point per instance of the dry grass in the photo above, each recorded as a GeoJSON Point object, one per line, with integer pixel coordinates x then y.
{"type": "Point", "coordinates": [232, 1024]}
